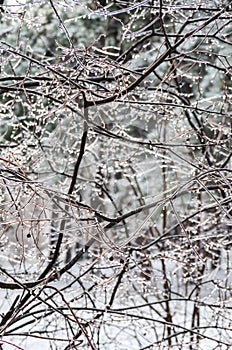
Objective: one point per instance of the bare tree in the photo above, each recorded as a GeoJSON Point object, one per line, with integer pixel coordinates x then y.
{"type": "Point", "coordinates": [115, 174]}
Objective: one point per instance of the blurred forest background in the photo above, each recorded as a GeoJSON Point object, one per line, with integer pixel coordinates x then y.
{"type": "Point", "coordinates": [115, 174]}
